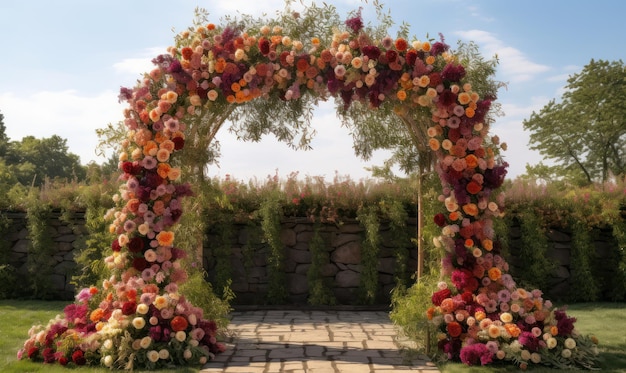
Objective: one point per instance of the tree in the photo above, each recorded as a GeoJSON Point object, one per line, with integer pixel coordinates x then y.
{"type": "Point", "coordinates": [4, 139]}
{"type": "Point", "coordinates": [33, 160]}
{"type": "Point", "coordinates": [585, 133]}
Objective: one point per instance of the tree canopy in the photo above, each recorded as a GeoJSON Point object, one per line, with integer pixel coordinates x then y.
{"type": "Point", "coordinates": [584, 134]}
{"type": "Point", "coordinates": [31, 160]}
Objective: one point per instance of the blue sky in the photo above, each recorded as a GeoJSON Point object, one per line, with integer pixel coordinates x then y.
{"type": "Point", "coordinates": [64, 62]}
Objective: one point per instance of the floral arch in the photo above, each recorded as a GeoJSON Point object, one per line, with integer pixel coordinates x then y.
{"type": "Point", "coordinates": [141, 319]}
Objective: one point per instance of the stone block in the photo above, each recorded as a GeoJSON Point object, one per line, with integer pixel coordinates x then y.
{"type": "Point", "coordinates": [288, 237]}
{"type": "Point", "coordinates": [65, 247]}
{"type": "Point", "coordinates": [304, 236]}
{"type": "Point", "coordinates": [304, 246]}
{"type": "Point", "coordinates": [340, 240]}
{"type": "Point", "coordinates": [347, 279]}
{"type": "Point", "coordinates": [21, 246]}
{"type": "Point", "coordinates": [351, 228]}
{"type": "Point", "coordinates": [558, 236]}
{"type": "Point", "coordinates": [290, 265]}
{"type": "Point", "coordinates": [350, 253]}
{"type": "Point", "coordinates": [297, 283]}
{"type": "Point", "coordinates": [328, 270]}
{"type": "Point", "coordinates": [302, 269]}
{"type": "Point", "coordinates": [299, 256]}
{"type": "Point", "coordinates": [386, 265]}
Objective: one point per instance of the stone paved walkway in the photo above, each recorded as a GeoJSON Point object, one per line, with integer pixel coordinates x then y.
{"type": "Point", "coordinates": [273, 341]}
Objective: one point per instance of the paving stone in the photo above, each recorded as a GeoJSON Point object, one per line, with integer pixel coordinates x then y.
{"type": "Point", "coordinates": [286, 341]}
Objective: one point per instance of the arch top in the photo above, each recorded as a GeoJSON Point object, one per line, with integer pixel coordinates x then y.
{"type": "Point", "coordinates": [212, 67]}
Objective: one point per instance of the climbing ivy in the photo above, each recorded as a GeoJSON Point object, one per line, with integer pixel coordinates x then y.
{"type": "Point", "coordinates": [7, 271]}
{"type": "Point", "coordinates": [270, 214]}
{"type": "Point", "coordinates": [368, 218]}
{"type": "Point", "coordinates": [394, 211]}
{"type": "Point", "coordinates": [40, 261]}
{"type": "Point", "coordinates": [536, 266]}
{"type": "Point", "coordinates": [583, 286]}
{"type": "Point", "coordinates": [319, 287]}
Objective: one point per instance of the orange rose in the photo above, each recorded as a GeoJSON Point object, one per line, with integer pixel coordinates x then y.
{"type": "Point", "coordinates": [512, 330]}
{"type": "Point", "coordinates": [454, 329]}
{"type": "Point", "coordinates": [178, 323]}
{"type": "Point", "coordinates": [470, 209]}
{"type": "Point", "coordinates": [165, 238]}
{"type": "Point", "coordinates": [401, 44]}
{"type": "Point", "coordinates": [473, 187]}
{"type": "Point", "coordinates": [447, 305]}
{"type": "Point", "coordinates": [163, 170]}
{"type": "Point", "coordinates": [471, 161]}
{"type": "Point", "coordinates": [495, 273]}
{"type": "Point", "coordinates": [96, 315]}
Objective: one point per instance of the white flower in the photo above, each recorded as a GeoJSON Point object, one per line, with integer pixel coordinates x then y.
{"type": "Point", "coordinates": [570, 343]}
{"type": "Point", "coordinates": [551, 343]}
{"type": "Point", "coordinates": [139, 322]}
{"type": "Point", "coordinates": [180, 336]}
{"type": "Point", "coordinates": [187, 354]}
{"type": "Point", "coordinates": [145, 342]}
{"type": "Point", "coordinates": [153, 356]}
{"type": "Point", "coordinates": [164, 354]}
{"type": "Point", "coordinates": [566, 353]}
{"type": "Point", "coordinates": [142, 308]}
{"type": "Point", "coordinates": [107, 361]}
{"type": "Point", "coordinates": [525, 355]}
{"type": "Point", "coordinates": [535, 358]}
{"type": "Point", "coordinates": [108, 344]}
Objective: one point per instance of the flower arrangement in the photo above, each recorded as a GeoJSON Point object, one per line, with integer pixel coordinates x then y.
{"type": "Point", "coordinates": [139, 319]}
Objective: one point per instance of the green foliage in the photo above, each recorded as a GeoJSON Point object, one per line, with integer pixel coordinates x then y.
{"type": "Point", "coordinates": [97, 244]}
{"type": "Point", "coordinates": [583, 283]}
{"type": "Point", "coordinates": [394, 211]}
{"type": "Point", "coordinates": [41, 248]}
{"type": "Point", "coordinates": [34, 160]}
{"type": "Point", "coordinates": [222, 229]}
{"type": "Point", "coordinates": [585, 133]}
{"type": "Point", "coordinates": [584, 212]}
{"type": "Point", "coordinates": [270, 214]}
{"type": "Point", "coordinates": [533, 261]}
{"type": "Point", "coordinates": [409, 311]}
{"type": "Point", "coordinates": [200, 293]}
{"type": "Point", "coordinates": [319, 286]}
{"type": "Point", "coordinates": [7, 271]}
{"type": "Point", "coordinates": [368, 286]}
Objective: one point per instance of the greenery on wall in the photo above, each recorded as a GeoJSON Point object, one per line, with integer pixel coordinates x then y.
{"type": "Point", "coordinates": [270, 215]}
{"type": "Point", "coordinates": [41, 247]}
{"type": "Point", "coordinates": [319, 286]}
{"type": "Point", "coordinates": [368, 218]}
{"type": "Point", "coordinates": [7, 271]}
{"type": "Point", "coordinates": [261, 206]}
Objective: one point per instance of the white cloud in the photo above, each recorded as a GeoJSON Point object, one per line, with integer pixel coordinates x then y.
{"type": "Point", "coordinates": [69, 114]}
{"type": "Point", "coordinates": [514, 65]}
{"type": "Point", "coordinates": [139, 64]}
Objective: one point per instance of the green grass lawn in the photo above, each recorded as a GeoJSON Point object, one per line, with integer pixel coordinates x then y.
{"type": "Point", "coordinates": [605, 320]}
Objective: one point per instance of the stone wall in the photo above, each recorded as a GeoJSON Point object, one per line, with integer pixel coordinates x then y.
{"type": "Point", "coordinates": [343, 247]}
{"type": "Point", "coordinates": [248, 262]}
{"type": "Point", "coordinates": [66, 239]}
{"type": "Point", "coordinates": [559, 253]}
